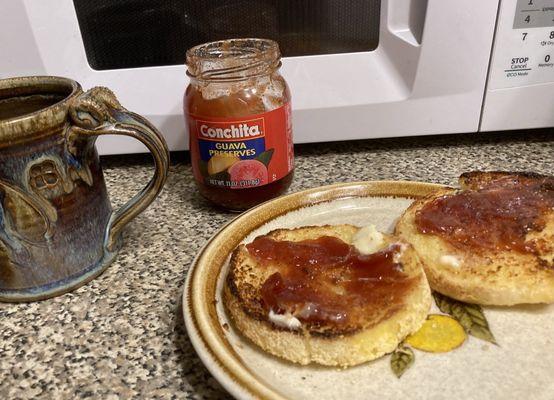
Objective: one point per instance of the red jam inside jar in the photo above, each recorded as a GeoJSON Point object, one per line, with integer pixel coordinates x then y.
{"type": "Point", "coordinates": [238, 111]}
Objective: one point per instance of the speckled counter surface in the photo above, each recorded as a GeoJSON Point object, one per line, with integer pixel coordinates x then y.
{"type": "Point", "coordinates": [123, 336]}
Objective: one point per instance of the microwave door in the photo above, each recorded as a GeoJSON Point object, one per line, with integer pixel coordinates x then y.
{"type": "Point", "coordinates": [427, 75]}
{"type": "Point", "coordinates": [357, 68]}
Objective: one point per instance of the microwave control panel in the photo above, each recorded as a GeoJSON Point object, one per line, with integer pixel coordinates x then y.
{"type": "Point", "coordinates": [523, 51]}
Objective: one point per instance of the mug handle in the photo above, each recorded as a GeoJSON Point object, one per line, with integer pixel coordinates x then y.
{"type": "Point", "coordinates": [98, 112]}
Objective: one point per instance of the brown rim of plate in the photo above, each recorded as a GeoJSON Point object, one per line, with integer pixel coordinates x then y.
{"type": "Point", "coordinates": [199, 295]}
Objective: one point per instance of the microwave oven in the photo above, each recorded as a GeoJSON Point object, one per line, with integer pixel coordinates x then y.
{"type": "Point", "coordinates": [357, 68]}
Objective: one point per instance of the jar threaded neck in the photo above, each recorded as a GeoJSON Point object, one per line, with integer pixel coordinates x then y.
{"type": "Point", "coordinates": [233, 60]}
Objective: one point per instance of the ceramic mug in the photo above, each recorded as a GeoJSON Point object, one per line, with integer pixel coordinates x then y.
{"type": "Point", "coordinates": [57, 227]}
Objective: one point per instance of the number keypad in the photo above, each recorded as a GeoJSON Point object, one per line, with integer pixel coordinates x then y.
{"type": "Point", "coordinates": [524, 45]}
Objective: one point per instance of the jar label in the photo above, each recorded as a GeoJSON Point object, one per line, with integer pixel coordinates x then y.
{"type": "Point", "coordinates": [242, 152]}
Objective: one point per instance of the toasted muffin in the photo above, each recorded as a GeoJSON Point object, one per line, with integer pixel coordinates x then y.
{"type": "Point", "coordinates": [360, 327]}
{"type": "Point", "coordinates": [496, 243]}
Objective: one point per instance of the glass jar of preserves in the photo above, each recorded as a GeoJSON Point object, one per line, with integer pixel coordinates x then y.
{"type": "Point", "coordinates": [238, 111]}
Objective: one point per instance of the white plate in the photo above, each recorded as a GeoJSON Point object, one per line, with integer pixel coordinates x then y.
{"type": "Point", "coordinates": [521, 367]}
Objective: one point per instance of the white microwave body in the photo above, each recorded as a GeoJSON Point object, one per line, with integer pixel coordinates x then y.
{"type": "Point", "coordinates": [440, 66]}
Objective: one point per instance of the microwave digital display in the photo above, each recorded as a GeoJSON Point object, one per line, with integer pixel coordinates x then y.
{"type": "Point", "coordinates": [140, 33]}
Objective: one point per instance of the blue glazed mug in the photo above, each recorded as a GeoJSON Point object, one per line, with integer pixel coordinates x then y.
{"type": "Point", "coordinates": [57, 227]}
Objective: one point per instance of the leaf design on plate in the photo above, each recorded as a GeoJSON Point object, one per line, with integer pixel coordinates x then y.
{"type": "Point", "coordinates": [265, 157]}
{"type": "Point", "coordinates": [470, 316]}
{"type": "Point", "coordinates": [402, 359]}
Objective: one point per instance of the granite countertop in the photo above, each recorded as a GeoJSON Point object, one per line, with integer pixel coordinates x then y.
{"type": "Point", "coordinates": [123, 336]}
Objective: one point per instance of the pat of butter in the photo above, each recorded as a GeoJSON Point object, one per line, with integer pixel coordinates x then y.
{"type": "Point", "coordinates": [287, 321]}
{"type": "Point", "coordinates": [397, 256]}
{"type": "Point", "coordinates": [450, 261]}
{"type": "Point", "coordinates": [368, 240]}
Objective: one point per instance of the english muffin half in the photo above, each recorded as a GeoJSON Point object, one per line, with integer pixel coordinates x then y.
{"type": "Point", "coordinates": [332, 295]}
{"type": "Point", "coordinates": [490, 242]}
